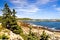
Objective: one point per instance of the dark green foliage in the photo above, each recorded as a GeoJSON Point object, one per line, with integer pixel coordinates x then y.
{"type": "Point", "coordinates": [0, 19]}
{"type": "Point", "coordinates": [4, 37]}
{"type": "Point", "coordinates": [14, 13]}
{"type": "Point", "coordinates": [24, 19]}
{"type": "Point", "coordinates": [6, 16]}
{"type": "Point", "coordinates": [16, 29]}
{"type": "Point", "coordinates": [30, 27]}
{"type": "Point", "coordinates": [9, 20]}
{"type": "Point", "coordinates": [31, 35]}
{"type": "Point", "coordinates": [44, 36]}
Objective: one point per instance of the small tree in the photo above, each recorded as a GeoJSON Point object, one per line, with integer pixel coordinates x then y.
{"type": "Point", "coordinates": [9, 19]}
{"type": "Point", "coordinates": [6, 16]}
{"type": "Point", "coordinates": [44, 36]}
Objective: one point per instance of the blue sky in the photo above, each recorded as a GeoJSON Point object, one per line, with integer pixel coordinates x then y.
{"type": "Point", "coordinates": [36, 9]}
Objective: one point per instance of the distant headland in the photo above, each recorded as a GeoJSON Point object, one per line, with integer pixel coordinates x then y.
{"type": "Point", "coordinates": [47, 20]}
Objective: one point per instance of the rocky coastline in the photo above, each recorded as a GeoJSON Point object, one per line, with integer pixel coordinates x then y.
{"type": "Point", "coordinates": [54, 34]}
{"type": "Point", "coordinates": [38, 26]}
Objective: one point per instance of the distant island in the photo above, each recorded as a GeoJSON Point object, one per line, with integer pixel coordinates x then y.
{"type": "Point", "coordinates": [47, 20]}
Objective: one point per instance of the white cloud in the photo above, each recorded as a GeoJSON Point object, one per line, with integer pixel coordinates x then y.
{"type": "Point", "coordinates": [15, 1]}
{"type": "Point", "coordinates": [24, 7]}
{"type": "Point", "coordinates": [54, 5]}
{"type": "Point", "coordinates": [53, 0]}
{"type": "Point", "coordinates": [20, 3]}
{"type": "Point", "coordinates": [23, 2]}
{"type": "Point", "coordinates": [43, 1]}
{"type": "Point", "coordinates": [0, 12]}
{"type": "Point", "coordinates": [29, 10]}
{"type": "Point", "coordinates": [58, 9]}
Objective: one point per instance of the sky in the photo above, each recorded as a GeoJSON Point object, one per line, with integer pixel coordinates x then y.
{"type": "Point", "coordinates": [35, 9]}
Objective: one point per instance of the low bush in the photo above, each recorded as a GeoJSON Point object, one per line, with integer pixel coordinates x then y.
{"type": "Point", "coordinates": [4, 37]}
{"type": "Point", "coordinates": [16, 29]}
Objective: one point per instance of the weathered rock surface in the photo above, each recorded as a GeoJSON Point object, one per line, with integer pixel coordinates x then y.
{"type": "Point", "coordinates": [11, 35]}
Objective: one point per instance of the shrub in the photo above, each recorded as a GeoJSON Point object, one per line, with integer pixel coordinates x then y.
{"type": "Point", "coordinates": [44, 36]}
{"type": "Point", "coordinates": [4, 37]}
{"type": "Point", "coordinates": [16, 29]}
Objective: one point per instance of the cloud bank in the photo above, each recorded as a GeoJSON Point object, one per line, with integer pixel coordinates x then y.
{"type": "Point", "coordinates": [29, 6]}
{"type": "Point", "coordinates": [32, 6]}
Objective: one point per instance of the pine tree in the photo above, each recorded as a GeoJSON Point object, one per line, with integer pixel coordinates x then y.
{"type": "Point", "coordinates": [9, 20]}
{"type": "Point", "coordinates": [14, 13]}
{"type": "Point", "coordinates": [6, 16]}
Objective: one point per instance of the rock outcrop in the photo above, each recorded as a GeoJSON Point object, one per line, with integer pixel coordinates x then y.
{"type": "Point", "coordinates": [54, 35]}
{"type": "Point", "coordinates": [11, 35]}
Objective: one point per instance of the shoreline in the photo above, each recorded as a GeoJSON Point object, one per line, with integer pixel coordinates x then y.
{"type": "Point", "coordinates": [38, 29]}
{"type": "Point", "coordinates": [26, 24]}
{"type": "Point", "coordinates": [44, 27]}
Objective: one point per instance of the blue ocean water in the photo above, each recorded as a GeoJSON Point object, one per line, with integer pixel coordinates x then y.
{"type": "Point", "coordinates": [55, 25]}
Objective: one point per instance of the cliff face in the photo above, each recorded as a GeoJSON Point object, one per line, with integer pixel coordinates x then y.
{"type": "Point", "coordinates": [38, 30]}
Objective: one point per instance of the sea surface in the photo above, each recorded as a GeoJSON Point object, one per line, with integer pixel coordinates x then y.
{"type": "Point", "coordinates": [53, 25]}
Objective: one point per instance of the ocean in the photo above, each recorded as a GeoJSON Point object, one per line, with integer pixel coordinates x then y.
{"type": "Point", "coordinates": [53, 25]}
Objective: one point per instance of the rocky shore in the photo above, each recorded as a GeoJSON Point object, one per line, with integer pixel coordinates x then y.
{"type": "Point", "coordinates": [54, 34]}
{"type": "Point", "coordinates": [11, 35]}
{"type": "Point", "coordinates": [46, 28]}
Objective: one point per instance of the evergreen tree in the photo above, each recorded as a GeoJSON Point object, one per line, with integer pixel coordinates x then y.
{"type": "Point", "coordinates": [9, 20]}
{"type": "Point", "coordinates": [6, 16]}
{"type": "Point", "coordinates": [14, 13]}
{"type": "Point", "coordinates": [14, 18]}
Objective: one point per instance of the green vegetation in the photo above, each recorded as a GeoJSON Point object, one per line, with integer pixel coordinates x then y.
{"type": "Point", "coordinates": [9, 20]}
{"type": "Point", "coordinates": [0, 19]}
{"type": "Point", "coordinates": [44, 36]}
{"type": "Point", "coordinates": [4, 37]}
{"type": "Point", "coordinates": [31, 35]}
{"type": "Point", "coordinates": [24, 19]}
